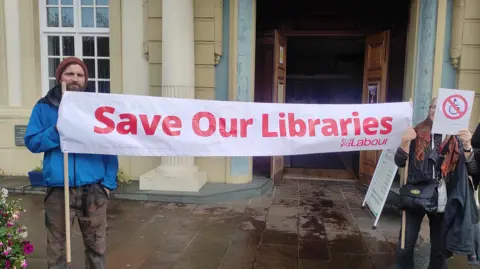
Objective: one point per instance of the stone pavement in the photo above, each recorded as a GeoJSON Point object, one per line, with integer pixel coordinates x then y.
{"type": "Point", "coordinates": [300, 224]}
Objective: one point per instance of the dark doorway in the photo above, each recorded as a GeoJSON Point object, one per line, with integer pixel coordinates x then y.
{"type": "Point", "coordinates": [325, 70]}
{"type": "Point", "coordinates": [326, 63]}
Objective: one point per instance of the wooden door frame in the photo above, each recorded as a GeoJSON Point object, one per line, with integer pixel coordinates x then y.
{"type": "Point", "coordinates": [381, 95]}
{"type": "Point", "coordinates": [269, 38]}
{"type": "Point", "coordinates": [263, 42]}
{"type": "Point", "coordinates": [364, 35]}
{"type": "Point", "coordinates": [276, 175]}
{"type": "Point", "coordinates": [412, 31]}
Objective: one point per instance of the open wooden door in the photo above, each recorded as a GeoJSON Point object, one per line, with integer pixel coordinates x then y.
{"type": "Point", "coordinates": [278, 94]}
{"type": "Point", "coordinates": [375, 75]}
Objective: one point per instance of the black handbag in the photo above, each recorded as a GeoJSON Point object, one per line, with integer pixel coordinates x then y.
{"type": "Point", "coordinates": [419, 197]}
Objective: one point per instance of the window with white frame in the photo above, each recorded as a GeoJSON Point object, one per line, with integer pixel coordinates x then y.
{"type": "Point", "coordinates": [75, 28]}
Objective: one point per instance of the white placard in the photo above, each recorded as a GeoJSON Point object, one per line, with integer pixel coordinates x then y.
{"type": "Point", "coordinates": [454, 108]}
{"type": "Point", "coordinates": [135, 125]}
{"type": "Point", "coordinates": [381, 183]}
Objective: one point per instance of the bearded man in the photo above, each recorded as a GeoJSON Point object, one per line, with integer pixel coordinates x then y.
{"type": "Point", "coordinates": [91, 176]}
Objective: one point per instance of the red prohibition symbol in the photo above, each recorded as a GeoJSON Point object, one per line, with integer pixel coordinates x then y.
{"type": "Point", "coordinates": [452, 109]}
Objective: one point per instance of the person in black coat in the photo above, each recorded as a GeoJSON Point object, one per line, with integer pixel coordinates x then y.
{"type": "Point", "coordinates": [431, 160]}
{"type": "Point", "coordinates": [474, 258]}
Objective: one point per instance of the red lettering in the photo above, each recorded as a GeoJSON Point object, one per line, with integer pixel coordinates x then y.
{"type": "Point", "coordinates": [131, 123]}
{"type": "Point", "coordinates": [282, 126]}
{"type": "Point", "coordinates": [386, 123]}
{"type": "Point", "coordinates": [292, 126]}
{"type": "Point", "coordinates": [243, 126]}
{"type": "Point", "coordinates": [109, 123]}
{"type": "Point", "coordinates": [344, 125]}
{"type": "Point", "coordinates": [150, 128]}
{"type": "Point", "coordinates": [298, 127]}
{"type": "Point", "coordinates": [356, 123]}
{"type": "Point", "coordinates": [265, 131]}
{"type": "Point", "coordinates": [212, 124]}
{"type": "Point", "coordinates": [329, 128]}
{"type": "Point", "coordinates": [372, 142]}
{"type": "Point", "coordinates": [224, 131]}
{"type": "Point", "coordinates": [288, 125]}
{"type": "Point", "coordinates": [312, 124]}
{"type": "Point", "coordinates": [169, 123]}
{"type": "Point", "coordinates": [223, 125]}
{"type": "Point", "coordinates": [370, 126]}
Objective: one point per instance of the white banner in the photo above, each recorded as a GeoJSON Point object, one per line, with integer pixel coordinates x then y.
{"type": "Point", "coordinates": [135, 125]}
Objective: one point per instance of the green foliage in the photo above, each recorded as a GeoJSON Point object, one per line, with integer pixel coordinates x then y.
{"type": "Point", "coordinates": [38, 168]}
{"type": "Point", "coordinates": [122, 178]}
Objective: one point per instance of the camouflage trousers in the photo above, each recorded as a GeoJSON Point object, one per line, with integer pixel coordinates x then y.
{"type": "Point", "coordinates": [89, 205]}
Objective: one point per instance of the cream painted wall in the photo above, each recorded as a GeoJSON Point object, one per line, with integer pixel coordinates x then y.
{"type": "Point", "coordinates": [15, 160]}
{"type": "Point", "coordinates": [27, 91]}
{"type": "Point", "coordinates": [411, 50]}
{"type": "Point", "coordinates": [133, 57]}
{"type": "Point", "coordinates": [18, 160]}
{"type": "Point", "coordinates": [129, 70]}
{"type": "Point", "coordinates": [411, 56]}
{"type": "Point", "coordinates": [469, 69]}
{"type": "Point", "coordinates": [30, 48]}
{"type": "Point", "coordinates": [13, 47]}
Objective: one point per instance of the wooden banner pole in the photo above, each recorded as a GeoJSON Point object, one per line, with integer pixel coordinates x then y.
{"type": "Point", "coordinates": [66, 189]}
{"type": "Point", "coordinates": [404, 213]}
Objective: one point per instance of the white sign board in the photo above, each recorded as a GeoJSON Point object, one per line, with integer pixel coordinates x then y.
{"type": "Point", "coordinates": [454, 108]}
{"type": "Point", "coordinates": [135, 125]}
{"type": "Point", "coordinates": [381, 183]}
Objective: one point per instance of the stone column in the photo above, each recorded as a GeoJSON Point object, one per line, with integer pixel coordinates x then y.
{"type": "Point", "coordinates": [242, 61]}
{"type": "Point", "coordinates": [178, 80]}
{"type": "Point", "coordinates": [3, 55]}
{"type": "Point", "coordinates": [13, 52]}
{"type": "Point", "coordinates": [422, 94]}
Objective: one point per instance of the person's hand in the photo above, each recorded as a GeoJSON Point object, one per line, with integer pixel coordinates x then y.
{"type": "Point", "coordinates": [409, 135]}
{"type": "Point", "coordinates": [466, 138]}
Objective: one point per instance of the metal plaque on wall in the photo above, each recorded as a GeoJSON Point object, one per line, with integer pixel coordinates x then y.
{"type": "Point", "coordinates": [19, 135]}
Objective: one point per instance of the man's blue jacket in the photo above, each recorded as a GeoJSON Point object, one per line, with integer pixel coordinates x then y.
{"type": "Point", "coordinates": [42, 137]}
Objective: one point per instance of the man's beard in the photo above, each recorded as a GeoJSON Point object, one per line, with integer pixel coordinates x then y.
{"type": "Point", "coordinates": [75, 87]}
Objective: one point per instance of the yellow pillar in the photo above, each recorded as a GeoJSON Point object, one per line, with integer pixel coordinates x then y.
{"type": "Point", "coordinates": [411, 54]}
{"type": "Point", "coordinates": [30, 51]}
{"type": "Point", "coordinates": [116, 84]}
{"type": "Point", "coordinates": [11, 11]}
{"type": "Point", "coordinates": [3, 57]}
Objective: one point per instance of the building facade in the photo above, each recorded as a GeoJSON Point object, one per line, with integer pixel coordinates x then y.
{"type": "Point", "coordinates": [203, 49]}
